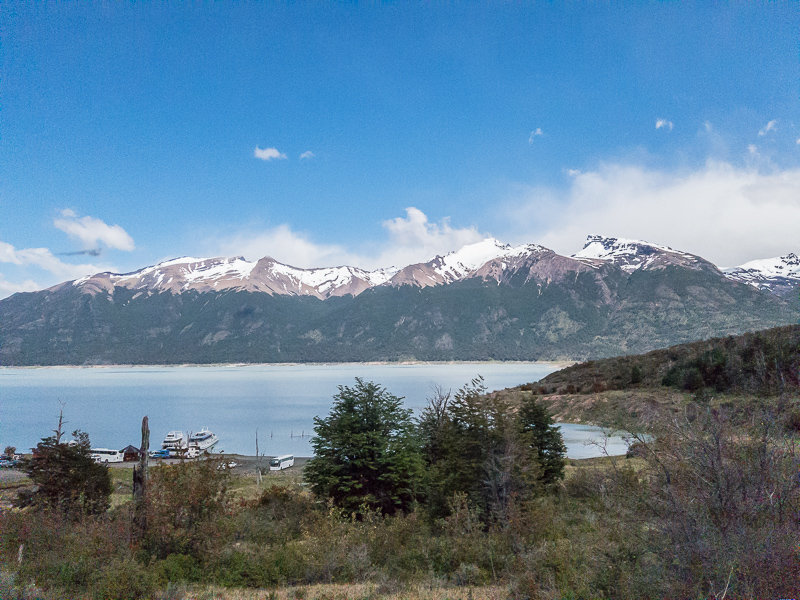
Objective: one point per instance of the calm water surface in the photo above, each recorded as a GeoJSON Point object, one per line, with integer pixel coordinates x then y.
{"type": "Point", "coordinates": [278, 401]}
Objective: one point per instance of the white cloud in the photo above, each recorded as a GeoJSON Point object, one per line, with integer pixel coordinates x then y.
{"type": "Point", "coordinates": [307, 154]}
{"type": "Point", "coordinates": [663, 123]}
{"type": "Point", "coordinates": [708, 126]}
{"type": "Point", "coordinates": [725, 214]}
{"type": "Point", "coordinates": [536, 132]}
{"type": "Point", "coordinates": [44, 259]}
{"type": "Point", "coordinates": [268, 153]}
{"type": "Point", "coordinates": [771, 126]}
{"type": "Point", "coordinates": [91, 231]}
{"type": "Point", "coordinates": [414, 239]}
{"type": "Point", "coordinates": [284, 245]}
{"type": "Point", "coordinates": [411, 239]}
{"type": "Point", "coordinates": [798, 140]}
{"type": "Point", "coordinates": [8, 287]}
{"type": "Point", "coordinates": [753, 149]}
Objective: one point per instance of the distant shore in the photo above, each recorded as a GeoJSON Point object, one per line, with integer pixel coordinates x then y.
{"type": "Point", "coordinates": [555, 363]}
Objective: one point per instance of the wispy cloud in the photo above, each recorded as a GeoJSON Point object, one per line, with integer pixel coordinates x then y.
{"type": "Point", "coordinates": [726, 214]}
{"type": "Point", "coordinates": [753, 149]}
{"type": "Point", "coordinates": [89, 252]}
{"type": "Point", "coordinates": [771, 126]}
{"type": "Point", "coordinates": [534, 134]}
{"type": "Point", "coordinates": [663, 123]}
{"type": "Point", "coordinates": [709, 127]}
{"type": "Point", "coordinates": [307, 154]}
{"type": "Point", "coordinates": [91, 231]}
{"type": "Point", "coordinates": [268, 153]}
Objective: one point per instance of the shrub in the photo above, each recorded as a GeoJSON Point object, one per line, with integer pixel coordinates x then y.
{"type": "Point", "coordinates": [178, 568]}
{"type": "Point", "coordinates": [636, 374]}
{"type": "Point", "coordinates": [185, 504]}
{"type": "Point", "coordinates": [125, 580]}
{"type": "Point", "coordinates": [67, 478]}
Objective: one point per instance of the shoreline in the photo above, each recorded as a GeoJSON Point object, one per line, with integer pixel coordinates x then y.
{"type": "Point", "coordinates": [557, 363]}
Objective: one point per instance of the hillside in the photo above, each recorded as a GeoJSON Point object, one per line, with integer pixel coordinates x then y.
{"type": "Point", "coordinates": [487, 301]}
{"type": "Point", "coordinates": [737, 372]}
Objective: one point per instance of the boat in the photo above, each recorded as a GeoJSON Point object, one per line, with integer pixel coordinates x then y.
{"type": "Point", "coordinates": [176, 442]}
{"type": "Point", "coordinates": [203, 439]}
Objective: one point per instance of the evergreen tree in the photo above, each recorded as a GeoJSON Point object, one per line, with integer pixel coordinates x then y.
{"type": "Point", "coordinates": [366, 453]}
{"type": "Point", "coordinates": [545, 438]}
{"type": "Point", "coordinates": [67, 478]}
{"type": "Point", "coordinates": [473, 445]}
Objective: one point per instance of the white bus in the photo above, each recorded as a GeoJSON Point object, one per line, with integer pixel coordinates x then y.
{"type": "Point", "coordinates": [281, 462]}
{"type": "Point", "coordinates": [104, 455]}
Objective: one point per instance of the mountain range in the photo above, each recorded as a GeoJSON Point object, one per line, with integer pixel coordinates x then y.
{"type": "Point", "coordinates": [484, 301]}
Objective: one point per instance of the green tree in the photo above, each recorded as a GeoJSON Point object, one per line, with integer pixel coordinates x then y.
{"type": "Point", "coordinates": [545, 438]}
{"type": "Point", "coordinates": [66, 476]}
{"type": "Point", "coordinates": [473, 446]}
{"type": "Point", "coordinates": [366, 453]}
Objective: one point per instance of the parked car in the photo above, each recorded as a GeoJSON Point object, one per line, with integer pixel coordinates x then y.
{"type": "Point", "coordinates": [159, 454]}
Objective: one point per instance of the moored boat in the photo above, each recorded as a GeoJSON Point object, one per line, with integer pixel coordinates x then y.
{"type": "Point", "coordinates": [203, 439]}
{"type": "Point", "coordinates": [176, 442]}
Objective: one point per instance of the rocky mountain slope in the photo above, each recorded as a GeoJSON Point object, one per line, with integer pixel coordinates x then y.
{"type": "Point", "coordinates": [779, 275]}
{"type": "Point", "coordinates": [485, 301]}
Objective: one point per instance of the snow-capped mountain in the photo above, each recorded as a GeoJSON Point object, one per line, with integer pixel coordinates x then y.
{"type": "Point", "coordinates": [487, 300]}
{"type": "Point", "coordinates": [778, 275]}
{"type": "Point", "coordinates": [488, 259]}
{"type": "Point", "coordinates": [464, 263]}
{"type": "Point", "coordinates": [216, 274]}
{"type": "Point", "coordinates": [632, 255]}
{"type": "Point", "coordinates": [270, 276]}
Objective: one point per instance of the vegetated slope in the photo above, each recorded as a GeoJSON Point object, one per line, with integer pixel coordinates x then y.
{"type": "Point", "coordinates": [540, 307]}
{"type": "Point", "coordinates": [763, 363]}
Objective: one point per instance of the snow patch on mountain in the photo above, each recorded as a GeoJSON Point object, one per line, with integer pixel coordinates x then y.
{"type": "Point", "coordinates": [629, 255]}
{"type": "Point", "coordinates": [768, 273]}
{"type": "Point", "coordinates": [329, 279]}
{"type": "Point", "coordinates": [266, 275]}
{"type": "Point", "coordinates": [465, 261]}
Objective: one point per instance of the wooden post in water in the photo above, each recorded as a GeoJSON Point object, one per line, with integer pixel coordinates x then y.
{"type": "Point", "coordinates": [140, 480]}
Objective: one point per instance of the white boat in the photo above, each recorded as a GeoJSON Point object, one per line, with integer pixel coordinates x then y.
{"type": "Point", "coordinates": [203, 439]}
{"type": "Point", "coordinates": [176, 442]}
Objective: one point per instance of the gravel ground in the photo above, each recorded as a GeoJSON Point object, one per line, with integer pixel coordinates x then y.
{"type": "Point", "coordinates": [12, 475]}
{"type": "Point", "coordinates": [244, 464]}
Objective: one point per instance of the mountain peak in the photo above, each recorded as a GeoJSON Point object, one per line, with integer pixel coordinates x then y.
{"type": "Point", "coordinates": [773, 274]}
{"type": "Point", "coordinates": [631, 255]}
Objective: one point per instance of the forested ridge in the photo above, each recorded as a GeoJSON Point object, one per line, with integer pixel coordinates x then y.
{"type": "Point", "coordinates": [588, 314]}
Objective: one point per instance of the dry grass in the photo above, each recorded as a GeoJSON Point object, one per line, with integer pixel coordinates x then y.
{"type": "Point", "coordinates": [356, 591]}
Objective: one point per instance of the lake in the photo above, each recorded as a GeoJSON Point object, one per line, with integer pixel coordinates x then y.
{"type": "Point", "coordinates": [277, 401]}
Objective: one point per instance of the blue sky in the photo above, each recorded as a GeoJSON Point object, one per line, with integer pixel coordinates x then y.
{"type": "Point", "coordinates": [325, 134]}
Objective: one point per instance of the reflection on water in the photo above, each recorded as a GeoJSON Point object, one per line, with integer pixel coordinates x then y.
{"type": "Point", "coordinates": [585, 441]}
{"type": "Point", "coordinates": [279, 402]}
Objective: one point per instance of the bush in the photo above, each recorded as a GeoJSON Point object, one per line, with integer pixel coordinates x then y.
{"type": "Point", "coordinates": [178, 568]}
{"type": "Point", "coordinates": [185, 504]}
{"type": "Point", "coordinates": [636, 374]}
{"type": "Point", "coordinates": [67, 478]}
{"type": "Point", "coordinates": [125, 580]}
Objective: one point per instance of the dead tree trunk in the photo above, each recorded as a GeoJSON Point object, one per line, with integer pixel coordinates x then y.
{"type": "Point", "coordinates": [140, 482]}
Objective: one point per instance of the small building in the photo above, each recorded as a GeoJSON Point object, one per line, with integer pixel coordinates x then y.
{"type": "Point", "coordinates": [131, 453]}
